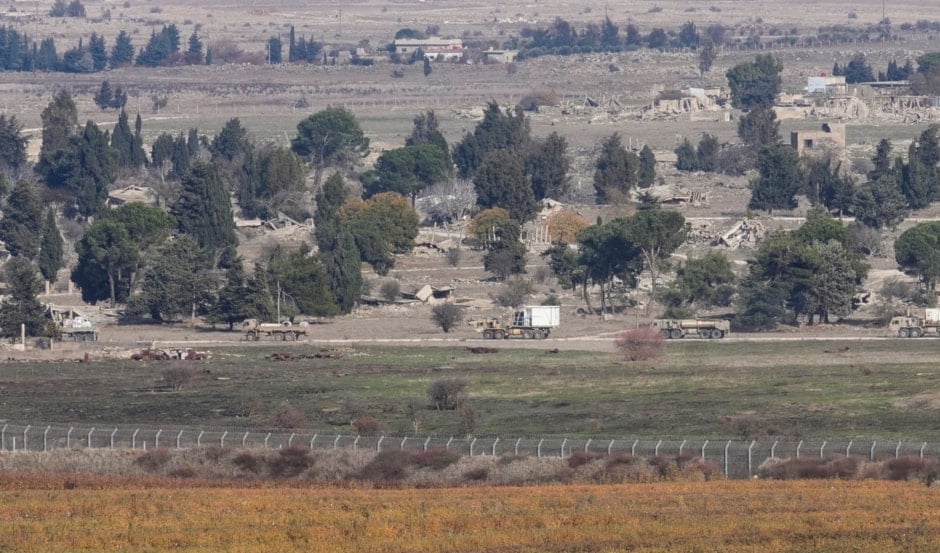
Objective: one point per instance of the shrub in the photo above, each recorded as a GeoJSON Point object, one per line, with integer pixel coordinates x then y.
{"type": "Point", "coordinates": [289, 462]}
{"type": "Point", "coordinates": [386, 466]}
{"type": "Point", "coordinates": [476, 475]}
{"type": "Point", "coordinates": [215, 453]}
{"type": "Point", "coordinates": [153, 460]}
{"type": "Point", "coordinates": [446, 315]}
{"type": "Point", "coordinates": [183, 472]}
{"type": "Point", "coordinates": [435, 459]}
{"type": "Point", "coordinates": [839, 467]}
{"type": "Point", "coordinates": [514, 292]}
{"type": "Point", "coordinates": [390, 290]}
{"type": "Point", "coordinates": [447, 393]}
{"type": "Point", "coordinates": [908, 467]}
{"type": "Point", "coordinates": [640, 344]}
{"type": "Point", "coordinates": [287, 416]}
{"type": "Point", "coordinates": [248, 462]}
{"type": "Point", "coordinates": [453, 256]}
{"type": "Point", "coordinates": [178, 376]}
{"type": "Point", "coordinates": [580, 458]}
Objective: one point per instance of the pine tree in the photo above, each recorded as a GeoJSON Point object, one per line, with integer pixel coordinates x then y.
{"type": "Point", "coordinates": [615, 172]}
{"type": "Point", "coordinates": [51, 250]}
{"type": "Point", "coordinates": [122, 142]}
{"type": "Point", "coordinates": [647, 172]}
{"type": "Point", "coordinates": [122, 52]}
{"type": "Point", "coordinates": [104, 98]}
{"type": "Point", "coordinates": [138, 156]}
{"type": "Point", "coordinates": [21, 306]}
{"type": "Point", "coordinates": [204, 209]}
{"type": "Point", "coordinates": [99, 52]}
{"type": "Point", "coordinates": [21, 225]}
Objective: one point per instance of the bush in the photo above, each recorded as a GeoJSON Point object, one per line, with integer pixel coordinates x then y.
{"type": "Point", "coordinates": [476, 475]}
{"type": "Point", "coordinates": [447, 393]}
{"type": "Point", "coordinates": [178, 376]}
{"type": "Point", "coordinates": [390, 290]}
{"type": "Point", "coordinates": [289, 462]}
{"type": "Point", "coordinates": [640, 344]}
{"type": "Point", "coordinates": [446, 315]}
{"type": "Point", "coordinates": [908, 467]}
{"type": "Point", "coordinates": [386, 466]}
{"type": "Point", "coordinates": [153, 460]}
{"type": "Point", "coordinates": [513, 292]}
{"type": "Point", "coordinates": [364, 426]}
{"type": "Point", "coordinates": [580, 458]}
{"type": "Point", "coordinates": [248, 462]}
{"type": "Point", "coordinates": [453, 256]}
{"type": "Point", "coordinates": [435, 459]}
{"type": "Point", "coordinates": [183, 472]}
{"type": "Point", "coordinates": [790, 469]}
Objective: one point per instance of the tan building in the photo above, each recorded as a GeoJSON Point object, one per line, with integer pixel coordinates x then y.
{"type": "Point", "coordinates": [831, 134]}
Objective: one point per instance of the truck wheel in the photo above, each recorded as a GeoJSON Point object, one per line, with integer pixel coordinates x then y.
{"type": "Point", "coordinates": [675, 334]}
{"type": "Point", "coordinates": [904, 333]}
{"type": "Point", "coordinates": [528, 335]}
{"type": "Point", "coordinates": [487, 334]}
{"type": "Point", "coordinates": [665, 334]}
{"type": "Point", "coordinates": [717, 334]}
{"type": "Point", "coordinates": [500, 335]}
{"type": "Point", "coordinates": [916, 332]}
{"type": "Point", "coordinates": [539, 335]}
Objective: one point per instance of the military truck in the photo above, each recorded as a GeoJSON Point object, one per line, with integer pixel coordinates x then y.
{"type": "Point", "coordinates": [70, 325]}
{"type": "Point", "coordinates": [285, 331]}
{"type": "Point", "coordinates": [915, 326]}
{"type": "Point", "coordinates": [674, 329]}
{"type": "Point", "coordinates": [534, 322]}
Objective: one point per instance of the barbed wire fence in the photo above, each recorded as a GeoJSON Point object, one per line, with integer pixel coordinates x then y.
{"type": "Point", "coordinates": [736, 458]}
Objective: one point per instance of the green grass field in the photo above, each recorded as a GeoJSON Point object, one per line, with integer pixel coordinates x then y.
{"type": "Point", "coordinates": [792, 389]}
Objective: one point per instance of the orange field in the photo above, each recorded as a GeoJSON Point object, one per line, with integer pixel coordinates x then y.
{"type": "Point", "coordinates": [753, 516]}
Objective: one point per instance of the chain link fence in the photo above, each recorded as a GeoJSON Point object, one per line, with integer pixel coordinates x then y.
{"type": "Point", "coordinates": [735, 458]}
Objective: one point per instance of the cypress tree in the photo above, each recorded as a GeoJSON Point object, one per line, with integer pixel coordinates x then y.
{"type": "Point", "coordinates": [21, 306]}
{"type": "Point", "coordinates": [50, 253]}
{"type": "Point", "coordinates": [204, 209]}
{"type": "Point", "coordinates": [21, 225]}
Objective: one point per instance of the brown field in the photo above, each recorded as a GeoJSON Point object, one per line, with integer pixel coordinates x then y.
{"type": "Point", "coordinates": [732, 517]}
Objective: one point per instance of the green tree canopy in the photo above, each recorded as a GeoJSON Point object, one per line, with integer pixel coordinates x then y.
{"type": "Point", "coordinates": [499, 130]}
{"type": "Point", "coordinates": [232, 141]}
{"type": "Point", "coordinates": [59, 123]}
{"type": "Point", "coordinates": [176, 282]}
{"type": "Point", "coordinates": [52, 248]}
{"type": "Point", "coordinates": [616, 171]}
{"type": "Point", "coordinates": [917, 250]}
{"type": "Point", "coordinates": [330, 138]}
{"type": "Point", "coordinates": [779, 179]}
{"type": "Point", "coordinates": [759, 128]}
{"type": "Point", "coordinates": [303, 282]}
{"type": "Point", "coordinates": [702, 282]}
{"type": "Point", "coordinates": [547, 167]}
{"type": "Point", "coordinates": [656, 232]}
{"type": "Point", "coordinates": [21, 225]}
{"type": "Point", "coordinates": [272, 179]}
{"type": "Point", "coordinates": [501, 182]}
{"type": "Point", "coordinates": [409, 170]}
{"type": "Point", "coordinates": [755, 83]}
{"type": "Point", "coordinates": [12, 144]}
{"type": "Point", "coordinates": [21, 306]}
{"type": "Point", "coordinates": [427, 130]}
{"type": "Point", "coordinates": [337, 246]}
{"type": "Point", "coordinates": [107, 258]}
{"type": "Point", "coordinates": [204, 209]}
{"type": "Point", "coordinates": [82, 172]}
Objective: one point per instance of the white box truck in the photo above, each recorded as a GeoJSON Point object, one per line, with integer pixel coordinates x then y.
{"type": "Point", "coordinates": [534, 322]}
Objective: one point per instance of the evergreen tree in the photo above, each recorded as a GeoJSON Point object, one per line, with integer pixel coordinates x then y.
{"type": "Point", "coordinates": [756, 83]}
{"type": "Point", "coordinates": [759, 128]}
{"type": "Point", "coordinates": [916, 183]}
{"type": "Point", "coordinates": [122, 53]}
{"type": "Point", "coordinates": [881, 161]}
{"type": "Point", "coordinates": [291, 46]}
{"type": "Point", "coordinates": [181, 157]}
{"type": "Point", "coordinates": [138, 156]}
{"type": "Point", "coordinates": [615, 171]}
{"type": "Point", "coordinates": [21, 225]}
{"type": "Point", "coordinates": [498, 130]}
{"type": "Point", "coordinates": [176, 282]}
{"type": "Point", "coordinates": [231, 141]}
{"type": "Point", "coordinates": [330, 138]}
{"type": "Point", "coordinates": [51, 250]}
{"type": "Point", "coordinates": [105, 96]}
{"type": "Point", "coordinates": [707, 153]}
{"type": "Point", "coordinates": [779, 179]}
{"type": "Point", "coordinates": [299, 278]}
{"type": "Point", "coordinates": [338, 251]}
{"type": "Point", "coordinates": [12, 144]}
{"type": "Point", "coordinates": [47, 59]}
{"type": "Point", "coordinates": [21, 306]}
{"type": "Point", "coordinates": [686, 160]}
{"type": "Point", "coordinates": [98, 51]}
{"type": "Point", "coordinates": [427, 130]}
{"type": "Point", "coordinates": [59, 123]}
{"type": "Point", "coordinates": [204, 209]}
{"type": "Point", "coordinates": [107, 257]}
{"type": "Point", "coordinates": [500, 182]}
{"type": "Point", "coordinates": [194, 53]}
{"type": "Point", "coordinates": [880, 204]}
{"type": "Point", "coordinates": [274, 50]}
{"type": "Point", "coordinates": [547, 167]}
{"type": "Point", "coordinates": [646, 174]}
{"type": "Point", "coordinates": [408, 170]}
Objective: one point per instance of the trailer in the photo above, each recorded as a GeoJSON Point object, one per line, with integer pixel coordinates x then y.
{"type": "Point", "coordinates": [254, 330]}
{"type": "Point", "coordinates": [78, 329]}
{"type": "Point", "coordinates": [674, 329]}
{"type": "Point", "coordinates": [915, 326]}
{"type": "Point", "coordinates": [534, 322]}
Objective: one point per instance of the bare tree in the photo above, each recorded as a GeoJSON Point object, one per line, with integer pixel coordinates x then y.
{"type": "Point", "coordinates": [448, 201]}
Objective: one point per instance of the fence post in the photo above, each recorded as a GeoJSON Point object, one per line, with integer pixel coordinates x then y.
{"type": "Point", "coordinates": [90, 432]}
{"type": "Point", "coordinates": [798, 446]}
{"type": "Point", "coordinates": [727, 445]}
{"type": "Point", "coordinates": [426, 442]}
{"type": "Point", "coordinates": [539, 449]}
{"type": "Point", "coordinates": [821, 448]}
{"type": "Point", "coordinates": [496, 441]}
{"type": "Point", "coordinates": [198, 438]}
{"type": "Point", "coordinates": [222, 439]}
{"type": "Point", "coordinates": [290, 440]}
{"type": "Point", "coordinates": [45, 439]}
{"type": "Point", "coordinates": [703, 449]}
{"type": "Point", "coordinates": [179, 438]}
{"type": "Point", "coordinates": [848, 448]}
{"type": "Point", "coordinates": [378, 445]}
{"type": "Point", "coordinates": [871, 456]}
{"type": "Point", "coordinates": [656, 449]}
{"type": "Point", "coordinates": [633, 448]}
{"type": "Point", "coordinates": [773, 450]}
{"type": "Point", "coordinates": [587, 444]}
{"type": "Point", "coordinates": [750, 448]}
{"type": "Point", "coordinates": [681, 447]}
{"type": "Point", "coordinates": [471, 446]}
{"type": "Point", "coordinates": [268, 437]}
{"type": "Point", "coordinates": [335, 442]}
{"type": "Point", "coordinates": [447, 445]}
{"type": "Point", "coordinates": [516, 450]}
{"type": "Point", "coordinates": [401, 446]}
{"type": "Point", "coordinates": [897, 450]}
{"type": "Point", "coordinates": [921, 447]}
{"type": "Point", "coordinates": [565, 441]}
{"type": "Point", "coordinates": [156, 439]}
{"type": "Point", "coordinates": [244, 439]}
{"type": "Point", "coordinates": [609, 446]}
{"type": "Point", "coordinates": [28, 426]}
{"type": "Point", "coordinates": [3, 437]}
{"type": "Point", "coordinates": [113, 432]}
{"type": "Point", "coordinates": [313, 439]}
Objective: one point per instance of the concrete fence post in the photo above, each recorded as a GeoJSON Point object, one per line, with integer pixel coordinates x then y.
{"type": "Point", "coordinates": [133, 438]}
{"type": "Point", "coordinates": [496, 441]}
{"type": "Point", "coordinates": [312, 440]}
{"type": "Point", "coordinates": [565, 441]}
{"type": "Point", "coordinates": [244, 439]}
{"type": "Point", "coordinates": [515, 451]}
{"type": "Point", "coordinates": [897, 451]}
{"type": "Point", "coordinates": [821, 448]}
{"type": "Point", "coordinates": [90, 432]}
{"type": "Point", "coordinates": [222, 439]}
{"type": "Point", "coordinates": [848, 448]}
{"type": "Point", "coordinates": [378, 445]}
{"type": "Point", "coordinates": [426, 442]}
{"type": "Point", "coordinates": [727, 445]}
{"type": "Point", "coordinates": [681, 447]}
{"type": "Point", "coordinates": [290, 440]}
{"type": "Point", "coordinates": [750, 458]}
{"type": "Point", "coordinates": [798, 446]}
{"type": "Point", "coordinates": [113, 432]}
{"type": "Point", "coordinates": [28, 426]}
{"type": "Point", "coordinates": [45, 439]}
{"type": "Point", "coordinates": [703, 449]}
{"type": "Point", "coordinates": [179, 440]}
{"type": "Point", "coordinates": [538, 449]}
{"type": "Point", "coordinates": [587, 444]}
{"type": "Point", "coordinates": [3, 437]}
{"type": "Point", "coordinates": [871, 455]}
{"type": "Point", "coordinates": [156, 438]}
{"type": "Point", "coordinates": [401, 446]}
